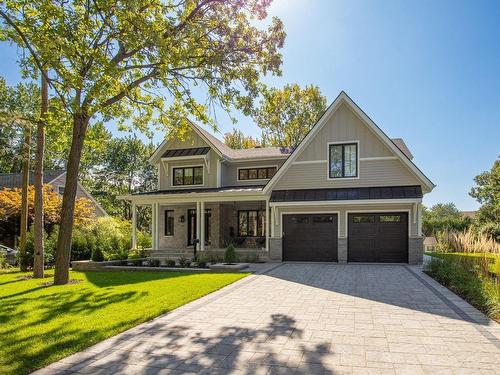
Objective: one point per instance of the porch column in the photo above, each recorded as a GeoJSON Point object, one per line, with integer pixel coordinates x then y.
{"type": "Point", "coordinates": [267, 225]}
{"type": "Point", "coordinates": [202, 226]}
{"type": "Point", "coordinates": [419, 219]}
{"type": "Point", "coordinates": [198, 219]}
{"type": "Point", "coordinates": [154, 223]}
{"type": "Point", "coordinates": [134, 226]}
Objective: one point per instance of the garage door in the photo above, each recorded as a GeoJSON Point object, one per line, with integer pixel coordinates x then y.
{"type": "Point", "coordinates": [310, 237]}
{"type": "Point", "coordinates": [378, 237]}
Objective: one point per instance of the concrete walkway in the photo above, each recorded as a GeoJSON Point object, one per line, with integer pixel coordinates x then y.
{"type": "Point", "coordinates": [308, 319]}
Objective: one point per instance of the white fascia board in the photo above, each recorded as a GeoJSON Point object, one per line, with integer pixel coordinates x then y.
{"type": "Point", "coordinates": [353, 202]}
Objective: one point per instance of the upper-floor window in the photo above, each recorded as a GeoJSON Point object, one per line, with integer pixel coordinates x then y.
{"type": "Point", "coordinates": [188, 176]}
{"type": "Point", "coordinates": [261, 173]}
{"type": "Point", "coordinates": [343, 160]}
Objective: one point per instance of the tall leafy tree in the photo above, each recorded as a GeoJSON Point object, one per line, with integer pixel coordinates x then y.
{"type": "Point", "coordinates": [137, 61]}
{"type": "Point", "coordinates": [441, 217]}
{"type": "Point", "coordinates": [124, 169]}
{"type": "Point", "coordinates": [18, 110]}
{"type": "Point", "coordinates": [286, 115]}
{"type": "Point", "coordinates": [487, 192]}
{"type": "Point", "coordinates": [237, 140]}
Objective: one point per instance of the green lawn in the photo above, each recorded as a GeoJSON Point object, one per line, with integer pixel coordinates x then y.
{"type": "Point", "coordinates": [41, 324]}
{"type": "Point", "coordinates": [494, 265]}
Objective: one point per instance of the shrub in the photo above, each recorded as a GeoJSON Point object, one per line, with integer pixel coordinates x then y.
{"type": "Point", "coordinates": [155, 262]}
{"type": "Point", "coordinates": [3, 261]}
{"type": "Point", "coordinates": [466, 242]}
{"type": "Point", "coordinates": [97, 255]}
{"type": "Point", "coordinates": [465, 278]}
{"type": "Point", "coordinates": [137, 253]}
{"type": "Point", "coordinates": [50, 242]}
{"type": "Point", "coordinates": [170, 263]}
{"type": "Point", "coordinates": [230, 255]}
{"type": "Point", "coordinates": [202, 261]}
{"type": "Point", "coordinates": [184, 262]}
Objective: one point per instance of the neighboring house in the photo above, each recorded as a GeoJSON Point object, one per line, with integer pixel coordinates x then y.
{"type": "Point", "coordinates": [430, 243]}
{"type": "Point", "coordinates": [55, 178]}
{"type": "Point", "coordinates": [470, 214]}
{"type": "Point", "coordinates": [346, 193]}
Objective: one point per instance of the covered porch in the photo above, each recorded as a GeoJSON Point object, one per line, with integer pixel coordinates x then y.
{"type": "Point", "coordinates": [207, 223]}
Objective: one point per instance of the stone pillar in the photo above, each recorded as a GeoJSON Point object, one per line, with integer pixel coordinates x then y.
{"type": "Point", "coordinates": [415, 250]}
{"type": "Point", "coordinates": [342, 249]}
{"type": "Point", "coordinates": [275, 249]}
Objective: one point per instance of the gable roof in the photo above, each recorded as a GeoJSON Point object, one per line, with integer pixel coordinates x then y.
{"type": "Point", "coordinates": [227, 152]}
{"type": "Point", "coordinates": [343, 98]}
{"type": "Point", "coordinates": [14, 180]}
{"type": "Point", "coordinates": [400, 143]}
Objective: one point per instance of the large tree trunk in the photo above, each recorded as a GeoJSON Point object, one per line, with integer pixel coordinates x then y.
{"type": "Point", "coordinates": [63, 251]}
{"type": "Point", "coordinates": [38, 264]}
{"type": "Point", "coordinates": [24, 198]}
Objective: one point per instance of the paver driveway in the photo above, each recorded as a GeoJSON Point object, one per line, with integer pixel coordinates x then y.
{"type": "Point", "coordinates": [308, 319]}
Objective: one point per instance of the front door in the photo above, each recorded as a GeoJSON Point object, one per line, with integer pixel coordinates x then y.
{"type": "Point", "coordinates": [191, 227]}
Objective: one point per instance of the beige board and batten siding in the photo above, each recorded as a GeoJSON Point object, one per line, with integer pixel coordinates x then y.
{"type": "Point", "coordinates": [343, 210]}
{"type": "Point", "coordinates": [378, 165]}
{"type": "Point", "coordinates": [191, 140]}
{"type": "Point", "coordinates": [230, 171]}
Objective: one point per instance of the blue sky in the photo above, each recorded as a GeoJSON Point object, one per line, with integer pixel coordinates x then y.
{"type": "Point", "coordinates": [426, 71]}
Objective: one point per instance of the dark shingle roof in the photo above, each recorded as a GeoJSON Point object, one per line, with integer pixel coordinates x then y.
{"type": "Point", "coordinates": [248, 188]}
{"type": "Point", "coordinates": [384, 192]}
{"type": "Point", "coordinates": [14, 180]}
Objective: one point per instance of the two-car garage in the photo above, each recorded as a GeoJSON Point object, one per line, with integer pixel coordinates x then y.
{"type": "Point", "coordinates": [371, 237]}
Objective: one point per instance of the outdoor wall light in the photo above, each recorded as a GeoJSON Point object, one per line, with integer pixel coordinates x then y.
{"type": "Point", "coordinates": [182, 218]}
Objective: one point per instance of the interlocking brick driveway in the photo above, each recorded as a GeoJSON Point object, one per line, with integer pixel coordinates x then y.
{"type": "Point", "coordinates": [308, 319]}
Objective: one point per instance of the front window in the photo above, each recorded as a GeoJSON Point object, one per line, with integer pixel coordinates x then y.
{"type": "Point", "coordinates": [169, 222]}
{"type": "Point", "coordinates": [188, 176]}
{"type": "Point", "coordinates": [343, 160]}
{"type": "Point", "coordinates": [60, 190]}
{"type": "Point", "coordinates": [251, 223]}
{"type": "Point", "coordinates": [263, 173]}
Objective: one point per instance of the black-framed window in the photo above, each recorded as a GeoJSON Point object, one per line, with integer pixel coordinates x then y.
{"type": "Point", "coordinates": [169, 222]}
{"type": "Point", "coordinates": [251, 223]}
{"type": "Point", "coordinates": [343, 160]}
{"type": "Point", "coordinates": [263, 173]}
{"type": "Point", "coordinates": [188, 176]}
{"type": "Point", "coordinates": [60, 190]}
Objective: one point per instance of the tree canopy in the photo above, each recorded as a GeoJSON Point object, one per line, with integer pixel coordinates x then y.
{"type": "Point", "coordinates": [139, 62]}
{"type": "Point", "coordinates": [286, 115]}
{"type": "Point", "coordinates": [237, 140]}
{"type": "Point", "coordinates": [487, 192]}
{"type": "Point", "coordinates": [443, 217]}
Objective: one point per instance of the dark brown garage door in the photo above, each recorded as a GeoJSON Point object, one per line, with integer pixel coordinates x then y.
{"type": "Point", "coordinates": [310, 237]}
{"type": "Point", "coordinates": [378, 237]}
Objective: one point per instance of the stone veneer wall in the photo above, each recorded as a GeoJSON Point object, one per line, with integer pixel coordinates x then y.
{"type": "Point", "coordinates": [342, 250]}
{"type": "Point", "coordinates": [275, 249]}
{"type": "Point", "coordinates": [416, 250]}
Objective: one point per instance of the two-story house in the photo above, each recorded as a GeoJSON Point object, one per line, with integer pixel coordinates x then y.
{"type": "Point", "coordinates": [346, 193]}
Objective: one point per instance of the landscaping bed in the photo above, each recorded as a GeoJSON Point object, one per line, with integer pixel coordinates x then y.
{"type": "Point", "coordinates": [472, 276]}
{"type": "Point", "coordinates": [41, 324]}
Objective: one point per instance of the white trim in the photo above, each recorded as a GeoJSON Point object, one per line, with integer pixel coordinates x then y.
{"type": "Point", "coordinates": [219, 173]}
{"type": "Point", "coordinates": [192, 197]}
{"type": "Point", "coordinates": [182, 158]}
{"type": "Point", "coordinates": [310, 162]}
{"type": "Point", "coordinates": [268, 226]}
{"type": "Point", "coordinates": [182, 167]}
{"type": "Point", "coordinates": [348, 202]}
{"type": "Point", "coordinates": [328, 178]}
{"type": "Point", "coordinates": [379, 158]}
{"type": "Point", "coordinates": [134, 225]}
{"type": "Point", "coordinates": [51, 181]}
{"type": "Point", "coordinates": [325, 212]}
{"type": "Point", "coordinates": [419, 220]}
{"type": "Point", "coordinates": [346, 218]}
{"type": "Point", "coordinates": [254, 167]}
{"type": "Point", "coordinates": [344, 98]}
